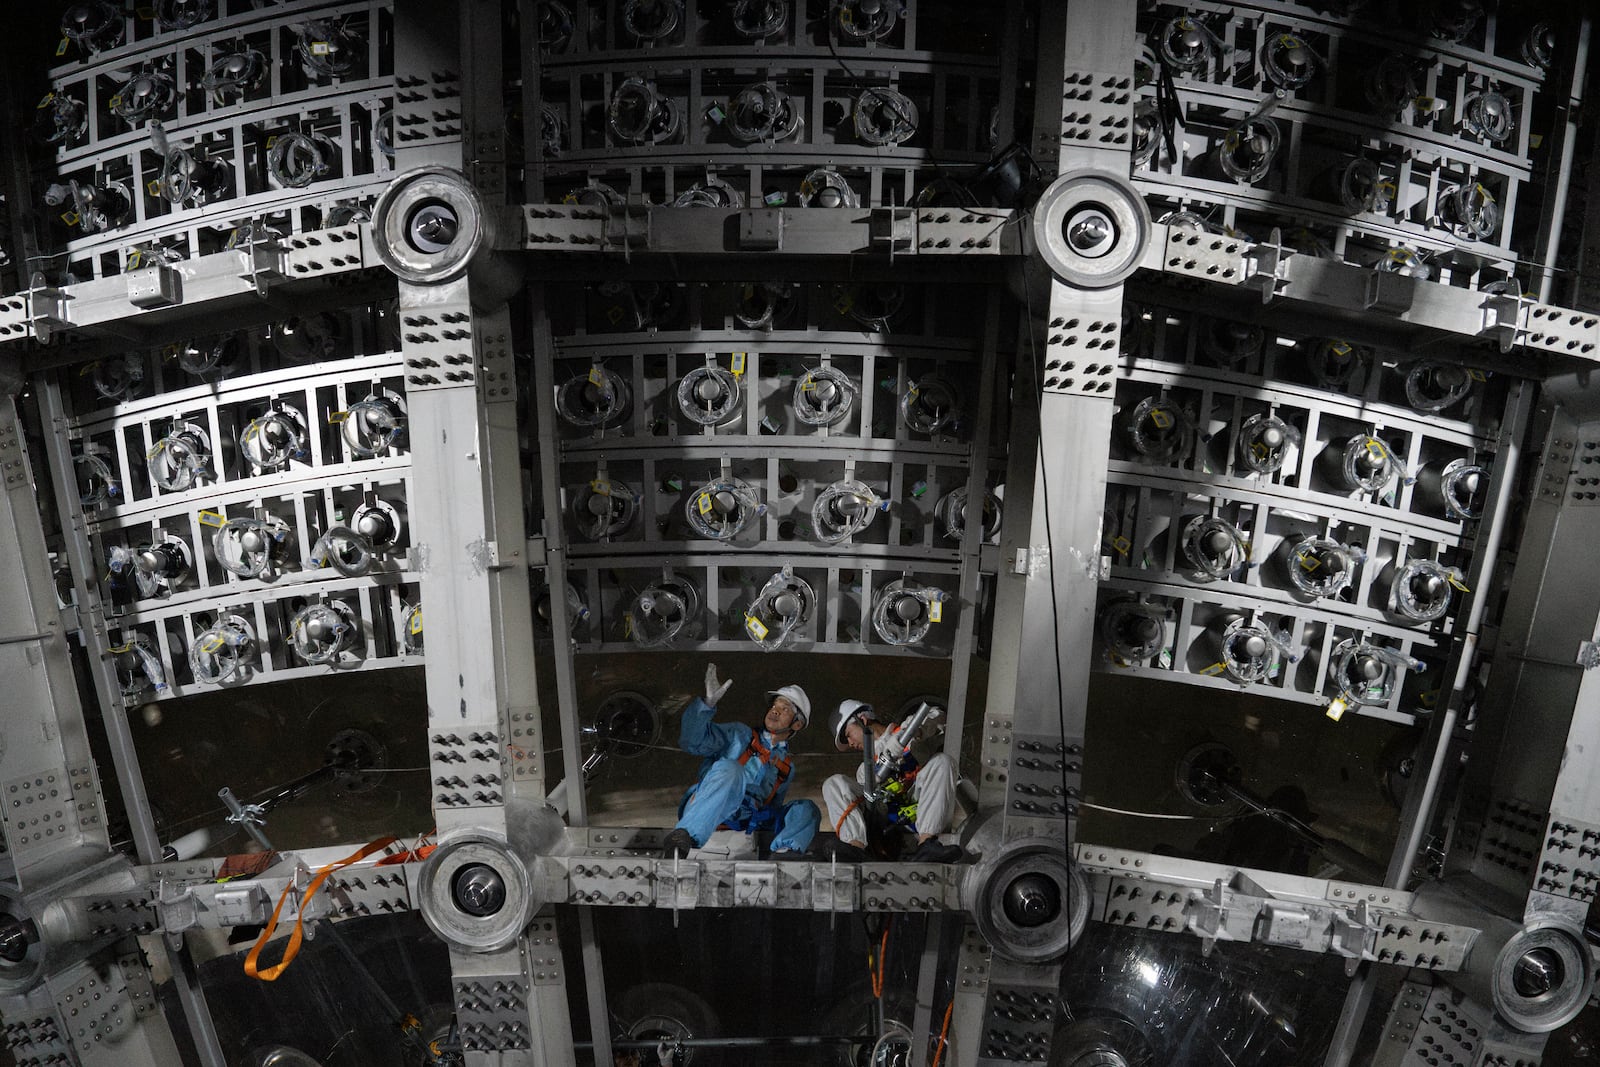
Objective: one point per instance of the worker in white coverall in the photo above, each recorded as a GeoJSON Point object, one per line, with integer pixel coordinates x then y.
{"type": "Point", "coordinates": [919, 794]}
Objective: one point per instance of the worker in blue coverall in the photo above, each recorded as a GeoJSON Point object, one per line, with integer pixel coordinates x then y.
{"type": "Point", "coordinates": [745, 774]}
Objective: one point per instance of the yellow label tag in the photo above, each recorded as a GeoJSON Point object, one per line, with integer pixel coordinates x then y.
{"type": "Point", "coordinates": [809, 384]}
{"type": "Point", "coordinates": [614, 316]}
{"type": "Point", "coordinates": [627, 624]}
{"type": "Point", "coordinates": [1215, 669]}
{"type": "Point", "coordinates": [1121, 544]}
{"type": "Point", "coordinates": [336, 417]}
{"type": "Point", "coordinates": [1376, 449]}
{"type": "Point", "coordinates": [88, 369]}
{"type": "Point", "coordinates": [1456, 583]}
{"type": "Point", "coordinates": [115, 101]}
{"type": "Point", "coordinates": [845, 301]}
{"type": "Point", "coordinates": [737, 364]}
{"type": "Point", "coordinates": [146, 13]}
{"type": "Point", "coordinates": [271, 141]}
{"type": "Point", "coordinates": [704, 503]}
{"type": "Point", "coordinates": [251, 432]}
{"type": "Point", "coordinates": [936, 611]}
{"type": "Point", "coordinates": [597, 376]}
{"type": "Point", "coordinates": [1160, 418]}
{"type": "Point", "coordinates": [1308, 562]}
{"type": "Point", "coordinates": [416, 622]}
{"type": "Point", "coordinates": [70, 218]}
{"type": "Point", "coordinates": [1476, 375]}
{"type": "Point", "coordinates": [1261, 451]}
{"type": "Point", "coordinates": [61, 49]}
{"type": "Point", "coordinates": [47, 98]}
{"type": "Point", "coordinates": [160, 447]}
{"type": "Point", "coordinates": [154, 187]}
{"type": "Point", "coordinates": [1337, 708]}
{"type": "Point", "coordinates": [570, 198]}
{"type": "Point", "coordinates": [600, 487]}
{"type": "Point", "coordinates": [1339, 348]}
{"type": "Point", "coordinates": [1535, 140]}
{"type": "Point", "coordinates": [212, 644]}
{"type": "Point", "coordinates": [755, 627]}
{"type": "Point", "coordinates": [320, 48]}
{"type": "Point", "coordinates": [117, 650]}
{"type": "Point", "coordinates": [211, 518]}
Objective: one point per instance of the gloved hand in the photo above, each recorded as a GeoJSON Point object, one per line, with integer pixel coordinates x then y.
{"type": "Point", "coordinates": [714, 690]}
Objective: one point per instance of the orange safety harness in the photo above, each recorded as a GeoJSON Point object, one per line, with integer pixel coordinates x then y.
{"type": "Point", "coordinates": [756, 748]}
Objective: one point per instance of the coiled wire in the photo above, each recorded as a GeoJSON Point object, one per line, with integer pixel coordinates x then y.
{"type": "Point", "coordinates": [374, 424]}
{"type": "Point", "coordinates": [295, 160]}
{"type": "Point", "coordinates": [1432, 386]}
{"type": "Point", "coordinates": [902, 611]}
{"type": "Point", "coordinates": [951, 514]}
{"type": "Point", "coordinates": [138, 667]}
{"type": "Point", "coordinates": [605, 509]}
{"type": "Point", "coordinates": [1247, 150]}
{"type": "Point", "coordinates": [146, 94]}
{"type": "Point", "coordinates": [1432, 600]}
{"type": "Point", "coordinates": [1320, 566]}
{"type": "Point", "coordinates": [826, 187]}
{"type": "Point", "coordinates": [884, 117]}
{"type": "Point", "coordinates": [1288, 61]}
{"type": "Point", "coordinates": [756, 19]}
{"type": "Point", "coordinates": [1240, 658]}
{"type": "Point", "coordinates": [344, 550]}
{"type": "Point", "coordinates": [713, 192]}
{"type": "Point", "coordinates": [762, 305]}
{"type": "Point", "coordinates": [1132, 631]}
{"type": "Point", "coordinates": [783, 604]}
{"type": "Point", "coordinates": [1489, 115]}
{"type": "Point", "coordinates": [583, 401]}
{"type": "Point", "coordinates": [1214, 546]}
{"type": "Point", "coordinates": [1368, 463]}
{"type": "Point", "coordinates": [762, 113]}
{"type": "Point", "coordinates": [326, 48]}
{"type": "Point", "coordinates": [844, 509]}
{"type": "Point", "coordinates": [1367, 674]}
{"type": "Point", "coordinates": [1264, 442]}
{"type": "Point", "coordinates": [824, 396]}
{"type": "Point", "coordinates": [1187, 45]}
{"type": "Point", "coordinates": [251, 547]}
{"type": "Point", "coordinates": [269, 442]}
{"type": "Point", "coordinates": [234, 74]}
{"type": "Point", "coordinates": [930, 405]}
{"type": "Point", "coordinates": [181, 458]}
{"type": "Point", "coordinates": [638, 114]}
{"type": "Point", "coordinates": [322, 633]}
{"type": "Point", "coordinates": [652, 20]}
{"type": "Point", "coordinates": [1333, 362]}
{"type": "Point", "coordinates": [1159, 430]}
{"type": "Point", "coordinates": [182, 14]}
{"type": "Point", "coordinates": [722, 508]}
{"type": "Point", "coordinates": [861, 25]}
{"type": "Point", "coordinates": [97, 485]}
{"type": "Point", "coordinates": [1473, 210]}
{"type": "Point", "coordinates": [710, 396]}
{"type": "Point", "coordinates": [221, 653]}
{"type": "Point", "coordinates": [663, 611]}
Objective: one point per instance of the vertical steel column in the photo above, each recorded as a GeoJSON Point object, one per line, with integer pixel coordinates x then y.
{"type": "Point", "coordinates": [36, 673]}
{"type": "Point", "coordinates": [1438, 747]}
{"type": "Point", "coordinates": [1552, 212]}
{"type": "Point", "coordinates": [1048, 580]}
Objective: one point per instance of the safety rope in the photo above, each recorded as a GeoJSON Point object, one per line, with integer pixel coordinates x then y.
{"type": "Point", "coordinates": [270, 974]}
{"type": "Point", "coordinates": [944, 1029]}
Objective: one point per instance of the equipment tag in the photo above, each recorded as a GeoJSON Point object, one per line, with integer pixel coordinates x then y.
{"type": "Point", "coordinates": [738, 364]}
{"type": "Point", "coordinates": [1215, 669]}
{"type": "Point", "coordinates": [416, 622]}
{"type": "Point", "coordinates": [600, 488]}
{"type": "Point", "coordinates": [756, 627]}
{"type": "Point", "coordinates": [597, 376]}
{"type": "Point", "coordinates": [936, 611]}
{"type": "Point", "coordinates": [211, 518]}
{"type": "Point", "coordinates": [335, 417]}
{"type": "Point", "coordinates": [1336, 708]}
{"type": "Point", "coordinates": [1160, 418]}
{"type": "Point", "coordinates": [704, 503]}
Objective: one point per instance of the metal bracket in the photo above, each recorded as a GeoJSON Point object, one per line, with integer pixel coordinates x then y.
{"type": "Point", "coordinates": [627, 228]}
{"type": "Point", "coordinates": [891, 228]}
{"type": "Point", "coordinates": [761, 230]}
{"type": "Point", "coordinates": [264, 260]}
{"type": "Point", "coordinates": [1266, 265]}
{"type": "Point", "coordinates": [1588, 655]}
{"type": "Point", "coordinates": [1502, 318]}
{"type": "Point", "coordinates": [47, 307]}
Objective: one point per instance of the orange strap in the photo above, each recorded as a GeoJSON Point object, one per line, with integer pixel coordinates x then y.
{"type": "Point", "coordinates": [270, 974]}
{"type": "Point", "coordinates": [854, 804]}
{"type": "Point", "coordinates": [944, 1031]}
{"type": "Point", "coordinates": [755, 747]}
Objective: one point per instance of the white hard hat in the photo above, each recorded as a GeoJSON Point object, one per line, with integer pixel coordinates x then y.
{"type": "Point", "coordinates": [797, 697]}
{"type": "Point", "coordinates": [848, 710]}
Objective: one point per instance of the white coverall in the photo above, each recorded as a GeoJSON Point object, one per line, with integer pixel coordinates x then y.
{"type": "Point", "coordinates": [934, 789]}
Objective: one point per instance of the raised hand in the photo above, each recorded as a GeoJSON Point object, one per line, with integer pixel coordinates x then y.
{"type": "Point", "coordinates": [714, 689]}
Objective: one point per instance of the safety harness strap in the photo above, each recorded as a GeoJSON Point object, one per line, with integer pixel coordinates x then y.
{"type": "Point", "coordinates": [756, 748]}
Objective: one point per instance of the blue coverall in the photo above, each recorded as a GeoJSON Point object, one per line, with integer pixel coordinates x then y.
{"type": "Point", "coordinates": [735, 795]}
